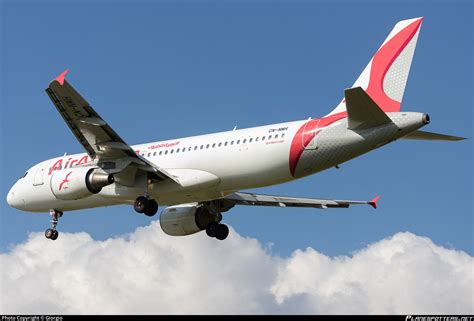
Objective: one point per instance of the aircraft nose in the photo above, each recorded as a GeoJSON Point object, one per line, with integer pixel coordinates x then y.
{"type": "Point", "coordinates": [14, 200]}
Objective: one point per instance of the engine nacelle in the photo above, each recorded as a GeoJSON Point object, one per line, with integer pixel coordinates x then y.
{"type": "Point", "coordinates": [185, 219]}
{"type": "Point", "coordinates": [78, 183]}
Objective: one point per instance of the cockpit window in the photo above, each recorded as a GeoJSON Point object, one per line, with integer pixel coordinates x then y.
{"type": "Point", "coordinates": [25, 175]}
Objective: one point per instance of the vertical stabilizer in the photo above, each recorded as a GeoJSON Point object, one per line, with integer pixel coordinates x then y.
{"type": "Point", "coordinates": [386, 75]}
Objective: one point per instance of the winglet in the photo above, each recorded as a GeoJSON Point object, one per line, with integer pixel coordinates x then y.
{"type": "Point", "coordinates": [60, 78]}
{"type": "Point", "coordinates": [373, 202]}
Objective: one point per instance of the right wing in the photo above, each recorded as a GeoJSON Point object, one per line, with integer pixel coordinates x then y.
{"type": "Point", "coordinates": [240, 198]}
{"type": "Point", "coordinates": [99, 140]}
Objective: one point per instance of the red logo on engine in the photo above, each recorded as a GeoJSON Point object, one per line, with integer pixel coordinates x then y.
{"type": "Point", "coordinates": [65, 180]}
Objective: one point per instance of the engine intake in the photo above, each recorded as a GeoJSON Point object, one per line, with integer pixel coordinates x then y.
{"type": "Point", "coordinates": [78, 183]}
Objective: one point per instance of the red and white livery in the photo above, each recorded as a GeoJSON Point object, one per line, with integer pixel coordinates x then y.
{"type": "Point", "coordinates": [199, 178]}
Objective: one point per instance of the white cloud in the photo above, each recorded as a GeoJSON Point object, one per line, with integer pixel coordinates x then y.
{"type": "Point", "coordinates": [148, 272]}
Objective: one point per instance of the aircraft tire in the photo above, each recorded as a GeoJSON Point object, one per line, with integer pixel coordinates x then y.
{"type": "Point", "coordinates": [222, 232]}
{"type": "Point", "coordinates": [140, 205]}
{"type": "Point", "coordinates": [48, 233]}
{"type": "Point", "coordinates": [212, 229]}
{"type": "Point", "coordinates": [55, 235]}
{"type": "Point", "coordinates": [151, 208]}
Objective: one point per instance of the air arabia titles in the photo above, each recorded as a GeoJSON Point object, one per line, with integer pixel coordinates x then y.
{"type": "Point", "coordinates": [164, 145]}
{"type": "Point", "coordinates": [69, 163]}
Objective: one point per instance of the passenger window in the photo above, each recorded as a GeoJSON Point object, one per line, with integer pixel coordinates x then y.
{"type": "Point", "coordinates": [166, 152]}
{"type": "Point", "coordinates": [276, 136]}
{"type": "Point", "coordinates": [225, 144]}
{"type": "Point", "coordinates": [177, 150]}
{"type": "Point", "coordinates": [161, 152]}
{"type": "Point", "coordinates": [232, 142]}
{"type": "Point", "coordinates": [202, 146]}
{"type": "Point", "coordinates": [149, 154]}
{"type": "Point", "coordinates": [282, 135]}
{"type": "Point", "coordinates": [244, 141]}
{"type": "Point", "coordinates": [256, 139]}
{"type": "Point", "coordinates": [195, 147]}
{"type": "Point", "coordinates": [213, 145]}
{"type": "Point", "coordinates": [270, 137]}
{"type": "Point", "coordinates": [250, 140]}
{"type": "Point", "coordinates": [263, 138]}
{"type": "Point", "coordinates": [154, 154]}
{"type": "Point", "coordinates": [238, 141]}
{"type": "Point", "coordinates": [220, 144]}
{"type": "Point", "coordinates": [207, 146]}
{"type": "Point", "coordinates": [189, 149]}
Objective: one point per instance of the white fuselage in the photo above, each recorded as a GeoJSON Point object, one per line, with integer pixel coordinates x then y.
{"type": "Point", "coordinates": [212, 166]}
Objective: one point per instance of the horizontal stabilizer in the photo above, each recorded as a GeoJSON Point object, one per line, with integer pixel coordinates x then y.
{"type": "Point", "coordinates": [421, 135]}
{"type": "Point", "coordinates": [362, 111]}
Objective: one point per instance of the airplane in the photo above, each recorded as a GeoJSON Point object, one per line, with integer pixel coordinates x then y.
{"type": "Point", "coordinates": [199, 178]}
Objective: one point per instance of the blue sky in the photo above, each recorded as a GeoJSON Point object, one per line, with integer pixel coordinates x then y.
{"type": "Point", "coordinates": [158, 70]}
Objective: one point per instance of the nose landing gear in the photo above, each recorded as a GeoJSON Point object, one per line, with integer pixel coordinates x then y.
{"type": "Point", "coordinates": [52, 233]}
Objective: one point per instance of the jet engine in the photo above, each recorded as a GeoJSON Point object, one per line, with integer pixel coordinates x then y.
{"type": "Point", "coordinates": [185, 219]}
{"type": "Point", "coordinates": [77, 183]}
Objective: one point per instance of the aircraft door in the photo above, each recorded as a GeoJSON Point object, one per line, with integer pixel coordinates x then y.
{"type": "Point", "coordinates": [309, 137]}
{"type": "Point", "coordinates": [39, 176]}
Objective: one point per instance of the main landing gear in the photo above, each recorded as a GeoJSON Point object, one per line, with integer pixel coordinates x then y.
{"type": "Point", "coordinates": [52, 233]}
{"type": "Point", "coordinates": [217, 230]}
{"type": "Point", "coordinates": [145, 205]}
{"type": "Point", "coordinates": [208, 217]}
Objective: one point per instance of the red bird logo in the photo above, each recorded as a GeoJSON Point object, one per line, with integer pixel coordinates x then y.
{"type": "Point", "coordinates": [65, 180]}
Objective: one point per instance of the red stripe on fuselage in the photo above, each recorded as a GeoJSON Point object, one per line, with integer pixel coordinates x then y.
{"type": "Point", "coordinates": [309, 133]}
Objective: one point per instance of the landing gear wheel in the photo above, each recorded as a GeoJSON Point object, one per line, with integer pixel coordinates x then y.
{"type": "Point", "coordinates": [140, 204]}
{"type": "Point", "coordinates": [222, 232]}
{"type": "Point", "coordinates": [48, 233]}
{"type": "Point", "coordinates": [55, 235]}
{"type": "Point", "coordinates": [152, 208]}
{"type": "Point", "coordinates": [211, 229]}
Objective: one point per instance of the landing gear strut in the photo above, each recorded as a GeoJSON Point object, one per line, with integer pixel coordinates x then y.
{"type": "Point", "coordinates": [52, 233]}
{"type": "Point", "coordinates": [145, 205]}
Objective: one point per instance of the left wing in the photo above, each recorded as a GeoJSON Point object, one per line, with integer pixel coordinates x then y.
{"type": "Point", "coordinates": [100, 141]}
{"type": "Point", "coordinates": [240, 198]}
